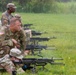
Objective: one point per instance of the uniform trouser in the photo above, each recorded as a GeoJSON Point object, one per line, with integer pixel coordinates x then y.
{"type": "Point", "coordinates": [7, 64]}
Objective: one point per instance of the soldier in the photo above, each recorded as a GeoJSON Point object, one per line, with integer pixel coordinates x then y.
{"type": "Point", "coordinates": [22, 38]}
{"type": "Point", "coordinates": [18, 16]}
{"type": "Point", "coordinates": [11, 36]}
{"type": "Point", "coordinates": [16, 55]}
{"type": "Point", "coordinates": [5, 61]}
{"type": "Point", "coordinates": [7, 15]}
{"type": "Point", "coordinates": [17, 33]}
{"type": "Point", "coordinates": [27, 32]}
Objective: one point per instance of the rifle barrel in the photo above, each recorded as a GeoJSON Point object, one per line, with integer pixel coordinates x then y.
{"type": "Point", "coordinates": [26, 25]}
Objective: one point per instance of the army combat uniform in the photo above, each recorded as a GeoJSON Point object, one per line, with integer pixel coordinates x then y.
{"type": "Point", "coordinates": [5, 19]}
{"type": "Point", "coordinates": [7, 15]}
{"type": "Point", "coordinates": [5, 45]}
{"type": "Point", "coordinates": [20, 37]}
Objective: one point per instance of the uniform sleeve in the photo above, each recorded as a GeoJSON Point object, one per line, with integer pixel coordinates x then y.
{"type": "Point", "coordinates": [23, 39]}
{"type": "Point", "coordinates": [5, 37]}
{"type": "Point", "coordinates": [4, 19]}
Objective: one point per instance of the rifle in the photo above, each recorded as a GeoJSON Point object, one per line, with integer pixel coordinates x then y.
{"type": "Point", "coordinates": [28, 47]}
{"type": "Point", "coordinates": [41, 38]}
{"type": "Point", "coordinates": [35, 40]}
{"type": "Point", "coordinates": [27, 26]}
{"type": "Point", "coordinates": [33, 62]}
{"type": "Point", "coordinates": [38, 48]}
{"type": "Point", "coordinates": [34, 33]}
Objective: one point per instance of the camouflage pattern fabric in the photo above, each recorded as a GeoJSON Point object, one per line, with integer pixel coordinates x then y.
{"type": "Point", "coordinates": [4, 43]}
{"type": "Point", "coordinates": [20, 37]}
{"type": "Point", "coordinates": [28, 36]}
{"type": "Point", "coordinates": [4, 50]}
{"type": "Point", "coordinates": [6, 16]}
{"type": "Point", "coordinates": [6, 63]}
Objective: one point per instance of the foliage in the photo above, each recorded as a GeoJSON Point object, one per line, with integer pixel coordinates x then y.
{"type": "Point", "coordinates": [69, 7]}
{"type": "Point", "coordinates": [42, 6]}
{"type": "Point", "coordinates": [37, 6]}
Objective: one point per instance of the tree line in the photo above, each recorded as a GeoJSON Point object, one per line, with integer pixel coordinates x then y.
{"type": "Point", "coordinates": [37, 6]}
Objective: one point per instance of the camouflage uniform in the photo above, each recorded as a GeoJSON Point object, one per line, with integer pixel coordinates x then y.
{"type": "Point", "coordinates": [27, 31]}
{"type": "Point", "coordinates": [5, 45]}
{"type": "Point", "coordinates": [6, 16]}
{"type": "Point", "coordinates": [20, 37]}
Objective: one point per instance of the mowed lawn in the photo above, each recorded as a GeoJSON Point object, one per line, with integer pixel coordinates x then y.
{"type": "Point", "coordinates": [63, 27]}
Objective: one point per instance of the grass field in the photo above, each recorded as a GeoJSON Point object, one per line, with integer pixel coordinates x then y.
{"type": "Point", "coordinates": [63, 27]}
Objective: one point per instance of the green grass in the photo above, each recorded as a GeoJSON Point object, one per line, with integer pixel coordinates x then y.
{"type": "Point", "coordinates": [63, 27]}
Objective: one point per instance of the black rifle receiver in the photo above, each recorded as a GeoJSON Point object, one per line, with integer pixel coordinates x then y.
{"type": "Point", "coordinates": [29, 47]}
{"type": "Point", "coordinates": [34, 33]}
{"type": "Point", "coordinates": [38, 48]}
{"type": "Point", "coordinates": [27, 25]}
{"type": "Point", "coordinates": [40, 39]}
